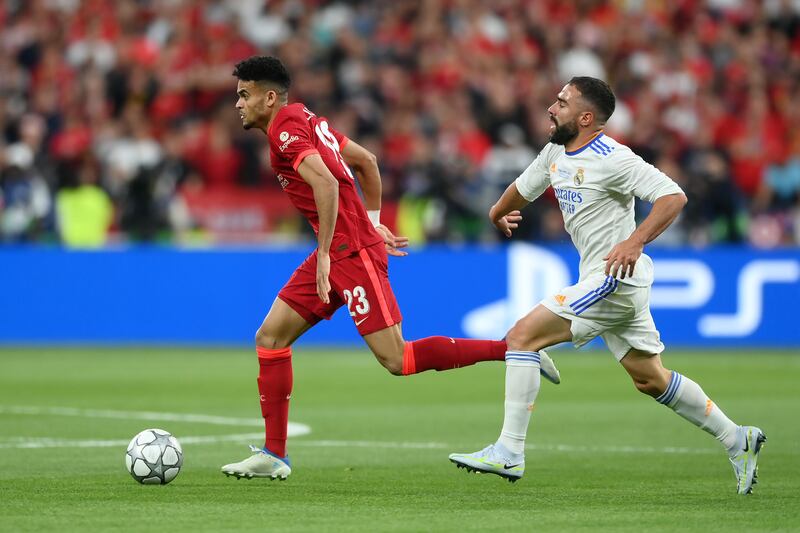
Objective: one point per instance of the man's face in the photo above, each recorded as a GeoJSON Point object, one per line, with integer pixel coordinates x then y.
{"type": "Point", "coordinates": [564, 115]}
{"type": "Point", "coordinates": [252, 104]}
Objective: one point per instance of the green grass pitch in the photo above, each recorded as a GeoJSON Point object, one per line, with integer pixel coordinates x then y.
{"type": "Point", "coordinates": [601, 456]}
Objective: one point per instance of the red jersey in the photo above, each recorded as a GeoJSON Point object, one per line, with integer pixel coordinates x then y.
{"type": "Point", "coordinates": [296, 133]}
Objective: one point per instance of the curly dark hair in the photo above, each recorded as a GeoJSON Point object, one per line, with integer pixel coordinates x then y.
{"type": "Point", "coordinates": [599, 95]}
{"type": "Point", "coordinates": [263, 68]}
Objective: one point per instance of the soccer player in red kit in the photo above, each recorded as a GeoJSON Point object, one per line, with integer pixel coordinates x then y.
{"type": "Point", "coordinates": [349, 267]}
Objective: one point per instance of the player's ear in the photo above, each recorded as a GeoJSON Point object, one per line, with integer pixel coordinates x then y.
{"type": "Point", "coordinates": [586, 118]}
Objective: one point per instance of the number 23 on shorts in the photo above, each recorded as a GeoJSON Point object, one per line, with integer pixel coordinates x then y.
{"type": "Point", "coordinates": [357, 303]}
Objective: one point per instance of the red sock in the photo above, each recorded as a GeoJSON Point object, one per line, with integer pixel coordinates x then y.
{"type": "Point", "coordinates": [275, 387]}
{"type": "Point", "coordinates": [444, 353]}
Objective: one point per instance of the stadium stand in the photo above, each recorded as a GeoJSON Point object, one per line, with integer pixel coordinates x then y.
{"type": "Point", "coordinates": [117, 121]}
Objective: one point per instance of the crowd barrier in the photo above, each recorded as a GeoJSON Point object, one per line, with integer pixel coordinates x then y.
{"type": "Point", "coordinates": [153, 295]}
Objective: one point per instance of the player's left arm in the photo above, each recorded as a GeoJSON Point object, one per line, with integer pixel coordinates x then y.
{"type": "Point", "coordinates": [368, 175]}
{"type": "Point", "coordinates": [622, 258]}
{"type": "Point", "coordinates": [326, 196]}
{"type": "Point", "coordinates": [506, 213]}
{"type": "Point", "coordinates": [634, 176]}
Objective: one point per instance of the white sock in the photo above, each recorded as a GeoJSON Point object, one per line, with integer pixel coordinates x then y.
{"type": "Point", "coordinates": [522, 386]}
{"type": "Point", "coordinates": [686, 398]}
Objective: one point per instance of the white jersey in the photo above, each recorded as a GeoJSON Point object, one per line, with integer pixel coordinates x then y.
{"type": "Point", "coordinates": [595, 187]}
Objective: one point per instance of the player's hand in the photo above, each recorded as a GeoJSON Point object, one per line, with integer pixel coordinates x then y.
{"type": "Point", "coordinates": [392, 242]}
{"type": "Point", "coordinates": [622, 258]}
{"type": "Point", "coordinates": [508, 222]}
{"type": "Point", "coordinates": [323, 271]}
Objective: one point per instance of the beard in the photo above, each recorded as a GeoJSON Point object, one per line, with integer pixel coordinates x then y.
{"type": "Point", "coordinates": [564, 133]}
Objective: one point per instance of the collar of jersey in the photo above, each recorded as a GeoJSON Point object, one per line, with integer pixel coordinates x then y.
{"type": "Point", "coordinates": [585, 146]}
{"type": "Point", "coordinates": [272, 125]}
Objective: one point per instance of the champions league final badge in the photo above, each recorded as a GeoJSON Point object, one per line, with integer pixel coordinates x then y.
{"type": "Point", "coordinates": [578, 178]}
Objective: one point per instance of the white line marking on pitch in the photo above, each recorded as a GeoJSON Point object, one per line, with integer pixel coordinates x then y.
{"type": "Point", "coordinates": [41, 443]}
{"type": "Point", "coordinates": [295, 430]}
{"type": "Point", "coordinates": [568, 448]}
{"type": "Point", "coordinates": [128, 415]}
{"type": "Point", "coordinates": [38, 443]}
{"type": "Point", "coordinates": [370, 444]}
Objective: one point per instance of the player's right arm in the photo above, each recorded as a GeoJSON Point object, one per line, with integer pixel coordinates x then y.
{"type": "Point", "coordinates": [326, 196]}
{"type": "Point", "coordinates": [368, 175]}
{"type": "Point", "coordinates": [365, 164]}
{"type": "Point", "coordinates": [632, 175]}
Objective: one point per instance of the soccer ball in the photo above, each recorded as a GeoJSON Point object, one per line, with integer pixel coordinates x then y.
{"type": "Point", "coordinates": [154, 457]}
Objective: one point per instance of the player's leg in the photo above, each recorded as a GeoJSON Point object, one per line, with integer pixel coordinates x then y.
{"type": "Point", "coordinates": [387, 345]}
{"type": "Point", "coordinates": [526, 339]}
{"type": "Point", "coordinates": [296, 309]}
{"type": "Point", "coordinates": [648, 374]}
{"type": "Point", "coordinates": [688, 400]}
{"type": "Point", "coordinates": [403, 358]}
{"type": "Point", "coordinates": [537, 330]}
{"type": "Point", "coordinates": [280, 328]}
{"type": "Point", "coordinates": [363, 283]}
{"type": "Point", "coordinates": [577, 313]}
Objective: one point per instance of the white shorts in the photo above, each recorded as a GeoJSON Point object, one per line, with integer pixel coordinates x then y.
{"type": "Point", "coordinates": [617, 312]}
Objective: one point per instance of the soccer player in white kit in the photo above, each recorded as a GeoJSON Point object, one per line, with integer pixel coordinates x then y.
{"type": "Point", "coordinates": [595, 180]}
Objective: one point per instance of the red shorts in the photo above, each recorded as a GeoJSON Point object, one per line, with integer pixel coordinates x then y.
{"type": "Point", "coordinates": [359, 281]}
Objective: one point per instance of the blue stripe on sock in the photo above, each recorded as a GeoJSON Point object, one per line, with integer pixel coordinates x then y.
{"type": "Point", "coordinates": [519, 358]}
{"type": "Point", "coordinates": [677, 386]}
{"type": "Point", "coordinates": [526, 357]}
{"type": "Point", "coordinates": [664, 394]}
{"type": "Point", "coordinates": [524, 354]}
{"type": "Point", "coordinates": [672, 387]}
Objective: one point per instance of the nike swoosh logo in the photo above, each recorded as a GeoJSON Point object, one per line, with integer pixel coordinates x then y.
{"type": "Point", "coordinates": [358, 322]}
{"type": "Point", "coordinates": [746, 445]}
{"type": "Point", "coordinates": [511, 466]}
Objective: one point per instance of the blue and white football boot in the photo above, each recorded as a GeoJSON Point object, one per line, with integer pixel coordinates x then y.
{"type": "Point", "coordinates": [261, 464]}
{"type": "Point", "coordinates": [547, 368]}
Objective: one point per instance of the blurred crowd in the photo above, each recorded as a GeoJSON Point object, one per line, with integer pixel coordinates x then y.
{"type": "Point", "coordinates": [116, 115]}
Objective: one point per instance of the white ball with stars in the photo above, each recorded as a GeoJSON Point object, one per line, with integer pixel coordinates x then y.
{"type": "Point", "coordinates": [154, 457]}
